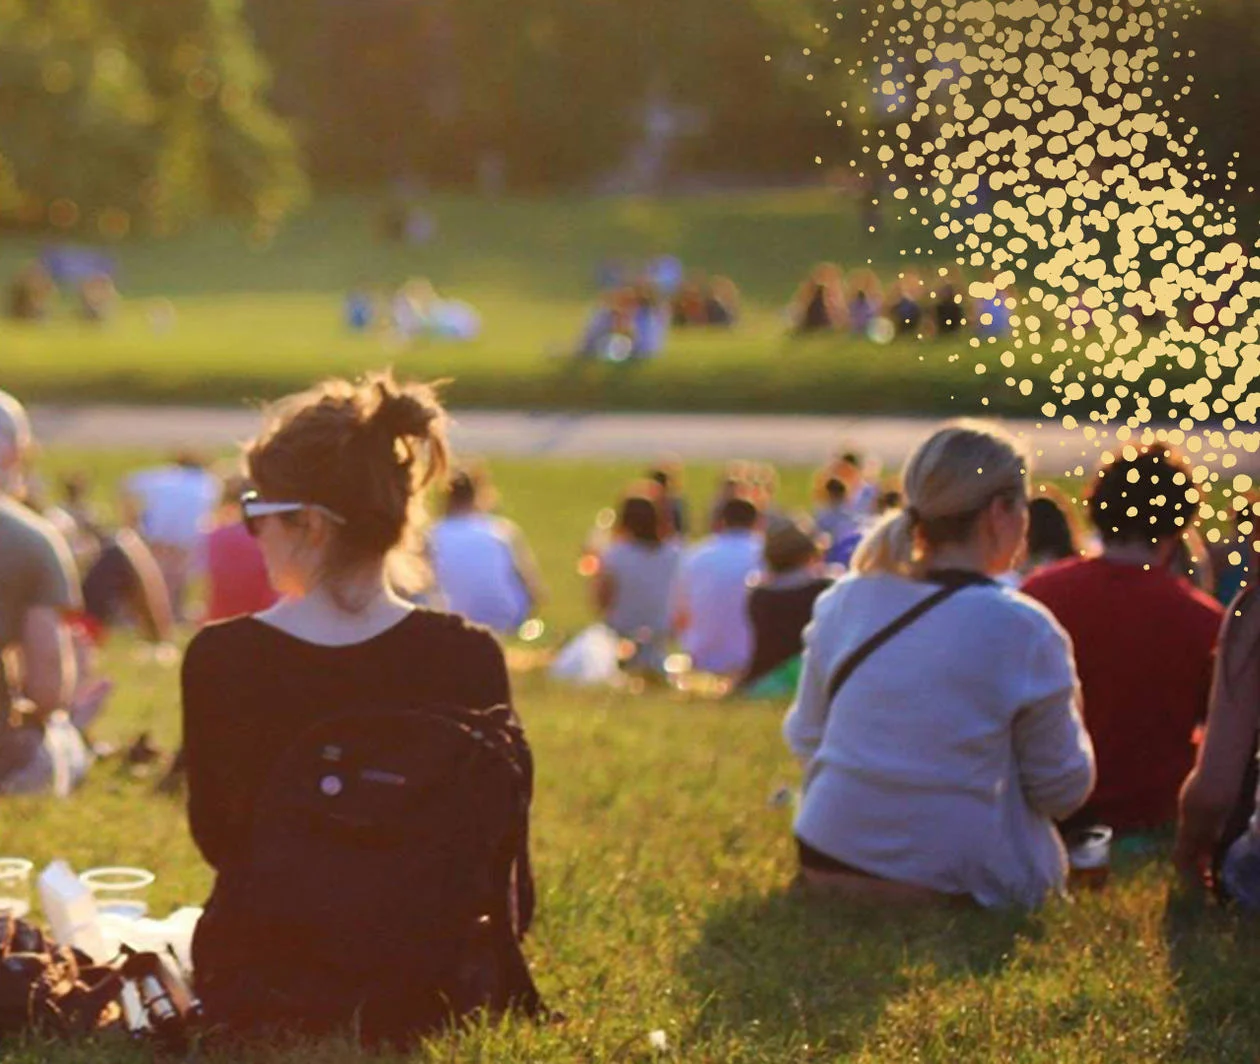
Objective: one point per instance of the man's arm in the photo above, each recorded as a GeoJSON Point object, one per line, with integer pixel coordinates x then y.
{"type": "Point", "coordinates": [48, 671]}
{"type": "Point", "coordinates": [1229, 742]}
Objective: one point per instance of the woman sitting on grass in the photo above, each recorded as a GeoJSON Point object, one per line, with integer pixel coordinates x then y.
{"type": "Point", "coordinates": [939, 764]}
{"type": "Point", "coordinates": [635, 575]}
{"type": "Point", "coordinates": [338, 472]}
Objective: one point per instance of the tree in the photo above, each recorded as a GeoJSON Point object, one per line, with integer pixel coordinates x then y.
{"type": "Point", "coordinates": [113, 112]}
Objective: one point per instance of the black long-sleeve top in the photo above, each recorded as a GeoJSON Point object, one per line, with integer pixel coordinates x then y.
{"type": "Point", "coordinates": [250, 689]}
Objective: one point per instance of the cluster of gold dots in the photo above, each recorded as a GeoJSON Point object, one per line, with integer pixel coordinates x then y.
{"type": "Point", "coordinates": [1039, 141]}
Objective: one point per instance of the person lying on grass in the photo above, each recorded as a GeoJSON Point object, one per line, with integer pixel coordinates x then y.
{"type": "Point", "coordinates": [939, 765]}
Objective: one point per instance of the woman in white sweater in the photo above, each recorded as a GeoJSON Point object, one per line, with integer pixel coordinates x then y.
{"type": "Point", "coordinates": [950, 748]}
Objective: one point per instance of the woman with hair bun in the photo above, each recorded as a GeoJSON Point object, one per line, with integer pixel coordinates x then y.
{"type": "Point", "coordinates": [337, 475]}
{"type": "Point", "coordinates": [938, 712]}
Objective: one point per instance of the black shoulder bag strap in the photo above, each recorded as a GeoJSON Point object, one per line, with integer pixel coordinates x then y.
{"type": "Point", "coordinates": [953, 583]}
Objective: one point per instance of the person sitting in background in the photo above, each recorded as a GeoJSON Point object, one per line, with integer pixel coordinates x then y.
{"type": "Point", "coordinates": [781, 602]}
{"type": "Point", "coordinates": [481, 562]}
{"type": "Point", "coordinates": [819, 304]}
{"type": "Point", "coordinates": [835, 520]}
{"type": "Point", "coordinates": [236, 571]}
{"type": "Point", "coordinates": [710, 590]}
{"type": "Point", "coordinates": [862, 495]}
{"type": "Point", "coordinates": [687, 306]}
{"type": "Point", "coordinates": [635, 575]}
{"type": "Point", "coordinates": [866, 302]}
{"type": "Point", "coordinates": [359, 309]}
{"type": "Point", "coordinates": [936, 716]}
{"type": "Point", "coordinates": [667, 476]}
{"type": "Point", "coordinates": [732, 483]}
{"type": "Point", "coordinates": [721, 302]}
{"type": "Point", "coordinates": [1192, 562]}
{"type": "Point", "coordinates": [947, 311]}
{"type": "Point", "coordinates": [610, 329]}
{"type": "Point", "coordinates": [1144, 639]}
{"type": "Point", "coordinates": [649, 318]}
{"type": "Point", "coordinates": [905, 305]}
{"type": "Point", "coordinates": [1236, 562]}
{"type": "Point", "coordinates": [1052, 535]}
{"type": "Point", "coordinates": [40, 749]}
{"type": "Point", "coordinates": [1218, 800]}
{"type": "Point", "coordinates": [704, 301]}
{"type": "Point", "coordinates": [98, 298]}
{"type": "Point", "coordinates": [31, 294]}
{"type": "Point", "coordinates": [122, 584]}
{"type": "Point", "coordinates": [418, 310]}
{"type": "Point", "coordinates": [171, 506]}
{"type": "Point", "coordinates": [993, 315]}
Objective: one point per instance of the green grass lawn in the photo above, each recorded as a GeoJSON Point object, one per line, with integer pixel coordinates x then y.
{"type": "Point", "coordinates": [257, 322]}
{"type": "Point", "coordinates": [663, 871]}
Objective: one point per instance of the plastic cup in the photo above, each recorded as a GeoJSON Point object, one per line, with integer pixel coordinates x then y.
{"type": "Point", "coordinates": [121, 892]}
{"type": "Point", "coordinates": [1089, 856]}
{"type": "Point", "coordinates": [15, 886]}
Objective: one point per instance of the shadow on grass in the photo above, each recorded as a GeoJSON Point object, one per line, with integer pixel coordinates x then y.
{"type": "Point", "coordinates": [814, 975]}
{"type": "Point", "coordinates": [1214, 954]}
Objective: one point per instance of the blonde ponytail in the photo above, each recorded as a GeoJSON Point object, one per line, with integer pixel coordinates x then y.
{"type": "Point", "coordinates": [947, 481]}
{"type": "Point", "coordinates": [886, 548]}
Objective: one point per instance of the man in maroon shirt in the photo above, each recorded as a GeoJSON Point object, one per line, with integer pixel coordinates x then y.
{"type": "Point", "coordinates": [1144, 638]}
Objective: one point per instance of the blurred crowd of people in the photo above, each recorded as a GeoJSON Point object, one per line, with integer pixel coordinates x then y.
{"type": "Point", "coordinates": [1090, 647]}
{"type": "Point", "coordinates": [415, 310]}
{"type": "Point", "coordinates": [83, 279]}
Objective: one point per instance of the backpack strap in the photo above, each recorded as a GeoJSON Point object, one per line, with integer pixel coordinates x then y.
{"type": "Point", "coordinates": [953, 581]}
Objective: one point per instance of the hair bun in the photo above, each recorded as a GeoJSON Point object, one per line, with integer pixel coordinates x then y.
{"type": "Point", "coordinates": [401, 414]}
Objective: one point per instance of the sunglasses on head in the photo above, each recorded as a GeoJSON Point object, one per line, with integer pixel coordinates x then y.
{"type": "Point", "coordinates": [254, 508]}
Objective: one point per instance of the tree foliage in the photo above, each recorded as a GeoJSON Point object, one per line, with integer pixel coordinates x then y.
{"type": "Point", "coordinates": [556, 89]}
{"type": "Point", "coordinates": [114, 112]}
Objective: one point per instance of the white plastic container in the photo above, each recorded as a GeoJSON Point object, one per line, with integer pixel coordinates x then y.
{"type": "Point", "coordinates": [172, 935]}
{"type": "Point", "coordinates": [71, 911]}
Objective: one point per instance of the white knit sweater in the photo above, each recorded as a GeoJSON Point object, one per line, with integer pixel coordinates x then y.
{"type": "Point", "coordinates": [950, 751]}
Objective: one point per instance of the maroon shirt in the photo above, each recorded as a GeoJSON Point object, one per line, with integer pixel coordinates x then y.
{"type": "Point", "coordinates": [236, 574]}
{"type": "Point", "coordinates": [1144, 642]}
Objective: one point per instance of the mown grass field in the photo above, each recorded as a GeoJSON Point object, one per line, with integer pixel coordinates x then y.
{"type": "Point", "coordinates": [664, 867]}
{"type": "Point", "coordinates": [256, 321]}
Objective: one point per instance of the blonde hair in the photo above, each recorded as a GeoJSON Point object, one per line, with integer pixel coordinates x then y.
{"type": "Point", "coordinates": [365, 450]}
{"type": "Point", "coordinates": [948, 480]}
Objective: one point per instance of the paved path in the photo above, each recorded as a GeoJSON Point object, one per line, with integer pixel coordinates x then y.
{"type": "Point", "coordinates": [788, 440]}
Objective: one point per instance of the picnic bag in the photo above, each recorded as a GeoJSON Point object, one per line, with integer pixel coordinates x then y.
{"type": "Point", "coordinates": [57, 991]}
{"type": "Point", "coordinates": [387, 882]}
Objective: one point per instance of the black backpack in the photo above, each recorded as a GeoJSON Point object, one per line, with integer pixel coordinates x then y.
{"type": "Point", "coordinates": [387, 883]}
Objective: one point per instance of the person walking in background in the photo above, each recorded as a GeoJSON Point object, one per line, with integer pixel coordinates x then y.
{"type": "Point", "coordinates": [937, 715]}
{"type": "Point", "coordinates": [171, 506]}
{"type": "Point", "coordinates": [1144, 639]}
{"type": "Point", "coordinates": [709, 615]}
{"type": "Point", "coordinates": [482, 564]}
{"type": "Point", "coordinates": [781, 602]}
{"type": "Point", "coordinates": [636, 572]}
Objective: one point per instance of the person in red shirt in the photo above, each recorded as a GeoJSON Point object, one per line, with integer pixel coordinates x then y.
{"type": "Point", "coordinates": [1144, 638]}
{"type": "Point", "coordinates": [236, 574]}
